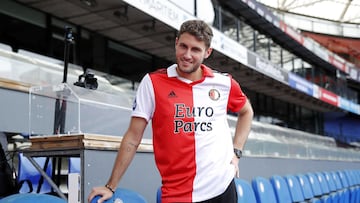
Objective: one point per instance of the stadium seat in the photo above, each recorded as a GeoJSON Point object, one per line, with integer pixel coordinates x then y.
{"type": "Point", "coordinates": [245, 191]}
{"type": "Point", "coordinates": [29, 177]}
{"type": "Point", "coordinates": [323, 183]}
{"type": "Point", "coordinates": [346, 186]}
{"type": "Point", "coordinates": [281, 189]}
{"type": "Point", "coordinates": [263, 190]}
{"type": "Point", "coordinates": [353, 187]}
{"type": "Point", "coordinates": [294, 188]}
{"type": "Point", "coordinates": [334, 197]}
{"type": "Point", "coordinates": [336, 180]}
{"type": "Point", "coordinates": [123, 195]}
{"type": "Point", "coordinates": [31, 198]}
{"type": "Point", "coordinates": [316, 188]}
{"type": "Point", "coordinates": [315, 185]}
{"type": "Point", "coordinates": [344, 193]}
{"type": "Point", "coordinates": [343, 179]}
{"type": "Point", "coordinates": [74, 165]}
{"type": "Point", "coordinates": [306, 188]}
{"type": "Point", "coordinates": [331, 182]}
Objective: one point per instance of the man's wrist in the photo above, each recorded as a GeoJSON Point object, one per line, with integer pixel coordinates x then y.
{"type": "Point", "coordinates": [109, 187]}
{"type": "Point", "coordinates": [238, 153]}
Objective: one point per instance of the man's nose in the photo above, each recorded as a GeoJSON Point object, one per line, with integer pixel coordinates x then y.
{"type": "Point", "coordinates": [187, 53]}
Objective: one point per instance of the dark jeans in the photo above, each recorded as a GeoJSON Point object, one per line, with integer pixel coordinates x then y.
{"type": "Point", "coordinates": [229, 196]}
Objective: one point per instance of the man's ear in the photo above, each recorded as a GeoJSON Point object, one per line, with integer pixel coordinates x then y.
{"type": "Point", "coordinates": [208, 52]}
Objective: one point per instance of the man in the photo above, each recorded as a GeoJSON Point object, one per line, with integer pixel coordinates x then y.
{"type": "Point", "coordinates": [188, 104]}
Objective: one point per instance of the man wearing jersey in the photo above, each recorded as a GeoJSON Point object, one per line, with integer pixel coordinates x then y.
{"type": "Point", "coordinates": [188, 104]}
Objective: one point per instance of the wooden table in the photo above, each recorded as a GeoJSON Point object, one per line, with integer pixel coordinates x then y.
{"type": "Point", "coordinates": [77, 145]}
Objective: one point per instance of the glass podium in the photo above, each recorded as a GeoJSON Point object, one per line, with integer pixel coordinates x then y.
{"type": "Point", "coordinates": [69, 109]}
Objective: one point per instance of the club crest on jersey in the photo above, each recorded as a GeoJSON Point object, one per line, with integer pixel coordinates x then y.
{"type": "Point", "coordinates": [214, 94]}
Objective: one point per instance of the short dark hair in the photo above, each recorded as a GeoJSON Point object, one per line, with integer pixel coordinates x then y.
{"type": "Point", "coordinates": [199, 29]}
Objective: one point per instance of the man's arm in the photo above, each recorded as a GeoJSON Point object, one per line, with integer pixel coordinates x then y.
{"type": "Point", "coordinates": [126, 153]}
{"type": "Point", "coordinates": [243, 125]}
{"type": "Point", "coordinates": [242, 130]}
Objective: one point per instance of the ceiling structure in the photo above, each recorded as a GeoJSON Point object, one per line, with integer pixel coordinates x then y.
{"type": "Point", "coordinates": [336, 27]}
{"type": "Point", "coordinates": [344, 11]}
{"type": "Point", "coordinates": [126, 24]}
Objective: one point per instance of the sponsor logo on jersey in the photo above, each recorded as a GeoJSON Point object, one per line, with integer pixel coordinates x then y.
{"type": "Point", "coordinates": [183, 112]}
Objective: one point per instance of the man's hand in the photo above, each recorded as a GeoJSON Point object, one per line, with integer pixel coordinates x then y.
{"type": "Point", "coordinates": [235, 162]}
{"type": "Point", "coordinates": [104, 192]}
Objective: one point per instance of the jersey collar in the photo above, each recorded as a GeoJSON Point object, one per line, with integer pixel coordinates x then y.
{"type": "Point", "coordinates": [171, 71]}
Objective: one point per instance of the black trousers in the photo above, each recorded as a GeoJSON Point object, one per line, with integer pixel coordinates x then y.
{"type": "Point", "coordinates": [229, 196]}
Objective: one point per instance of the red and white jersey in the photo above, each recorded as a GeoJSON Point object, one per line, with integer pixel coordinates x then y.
{"type": "Point", "coordinates": [192, 140]}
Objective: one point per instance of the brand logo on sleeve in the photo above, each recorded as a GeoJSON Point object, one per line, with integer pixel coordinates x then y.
{"type": "Point", "coordinates": [134, 105]}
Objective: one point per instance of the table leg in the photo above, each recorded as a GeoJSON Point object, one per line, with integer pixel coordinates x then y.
{"type": "Point", "coordinates": [50, 181]}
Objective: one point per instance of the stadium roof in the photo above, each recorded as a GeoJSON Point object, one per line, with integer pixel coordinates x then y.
{"type": "Point", "coordinates": [345, 11]}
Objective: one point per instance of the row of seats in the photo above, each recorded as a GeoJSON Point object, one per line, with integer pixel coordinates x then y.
{"type": "Point", "coordinates": [318, 187]}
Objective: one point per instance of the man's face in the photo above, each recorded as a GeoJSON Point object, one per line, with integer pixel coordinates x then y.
{"type": "Point", "coordinates": [190, 53]}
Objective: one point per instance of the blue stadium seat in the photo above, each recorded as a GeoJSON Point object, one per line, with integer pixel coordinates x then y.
{"type": "Point", "coordinates": [357, 183]}
{"type": "Point", "coordinates": [29, 177]}
{"type": "Point", "coordinates": [31, 198]}
{"type": "Point", "coordinates": [323, 184]}
{"type": "Point", "coordinates": [306, 188]}
{"type": "Point", "coordinates": [245, 191]}
{"type": "Point", "coordinates": [294, 188]}
{"type": "Point", "coordinates": [331, 182]}
{"type": "Point", "coordinates": [123, 195]}
{"type": "Point", "coordinates": [344, 193]}
{"type": "Point", "coordinates": [315, 185]}
{"type": "Point", "coordinates": [343, 179]}
{"type": "Point", "coordinates": [316, 188]}
{"type": "Point", "coordinates": [336, 180]}
{"type": "Point", "coordinates": [263, 190]}
{"type": "Point", "coordinates": [346, 186]}
{"type": "Point", "coordinates": [334, 197]}
{"type": "Point", "coordinates": [356, 175]}
{"type": "Point", "coordinates": [281, 189]}
{"type": "Point", "coordinates": [74, 165]}
{"type": "Point", "coordinates": [353, 187]}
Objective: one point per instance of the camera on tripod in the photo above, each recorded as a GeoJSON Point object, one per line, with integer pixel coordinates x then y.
{"type": "Point", "coordinates": [87, 80]}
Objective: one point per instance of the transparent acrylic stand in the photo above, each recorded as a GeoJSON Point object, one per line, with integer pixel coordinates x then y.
{"type": "Point", "coordinates": [69, 109]}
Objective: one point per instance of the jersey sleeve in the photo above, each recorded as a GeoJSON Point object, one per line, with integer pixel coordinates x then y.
{"type": "Point", "coordinates": [144, 103]}
{"type": "Point", "coordinates": [237, 98]}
